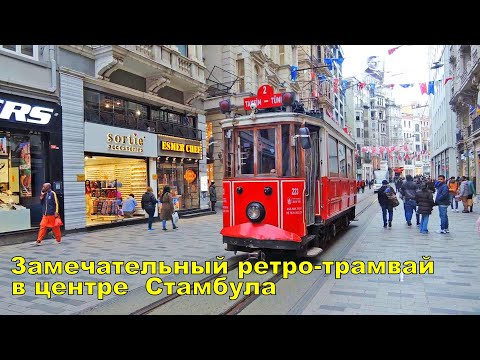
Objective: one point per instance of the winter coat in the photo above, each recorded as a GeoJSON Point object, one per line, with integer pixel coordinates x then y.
{"type": "Point", "coordinates": [424, 199]}
{"type": "Point", "coordinates": [167, 207]}
{"type": "Point", "coordinates": [443, 197]}
{"type": "Point", "coordinates": [408, 190]}
{"type": "Point", "coordinates": [213, 193]}
{"type": "Point", "coordinates": [382, 197]}
{"type": "Point", "coordinates": [465, 189]}
{"type": "Point", "coordinates": [149, 202]}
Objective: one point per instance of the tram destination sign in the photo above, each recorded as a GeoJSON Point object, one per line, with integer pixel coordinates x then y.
{"type": "Point", "coordinates": [265, 99]}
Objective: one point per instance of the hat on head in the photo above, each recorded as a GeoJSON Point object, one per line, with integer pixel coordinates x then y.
{"type": "Point", "coordinates": [384, 182]}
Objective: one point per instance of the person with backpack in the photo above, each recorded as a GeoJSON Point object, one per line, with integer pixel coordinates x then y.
{"type": "Point", "coordinates": [385, 203]}
{"type": "Point", "coordinates": [452, 191]}
{"type": "Point", "coordinates": [424, 199]}
{"type": "Point", "coordinates": [465, 191]}
{"type": "Point", "coordinates": [149, 202]}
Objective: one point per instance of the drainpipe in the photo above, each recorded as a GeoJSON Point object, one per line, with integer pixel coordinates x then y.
{"type": "Point", "coordinates": [53, 63]}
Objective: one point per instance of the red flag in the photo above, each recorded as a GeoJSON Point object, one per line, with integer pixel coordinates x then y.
{"type": "Point", "coordinates": [335, 86]}
{"type": "Point", "coordinates": [447, 80]}
{"type": "Point", "coordinates": [361, 85]}
{"type": "Point", "coordinates": [423, 88]}
{"type": "Point", "coordinates": [391, 51]}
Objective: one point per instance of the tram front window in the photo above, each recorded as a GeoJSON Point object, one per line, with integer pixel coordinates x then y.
{"type": "Point", "coordinates": [266, 151]}
{"type": "Point", "coordinates": [245, 138]}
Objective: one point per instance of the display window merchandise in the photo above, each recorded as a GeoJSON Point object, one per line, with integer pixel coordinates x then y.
{"type": "Point", "coordinates": [109, 182]}
{"type": "Point", "coordinates": [181, 175]}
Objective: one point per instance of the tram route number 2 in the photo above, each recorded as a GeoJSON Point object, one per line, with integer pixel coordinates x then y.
{"type": "Point", "coordinates": [295, 191]}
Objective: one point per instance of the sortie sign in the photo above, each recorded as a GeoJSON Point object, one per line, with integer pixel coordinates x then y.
{"type": "Point", "coordinates": [265, 99]}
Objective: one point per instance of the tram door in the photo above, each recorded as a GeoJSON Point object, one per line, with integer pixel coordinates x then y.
{"type": "Point", "coordinates": [312, 164]}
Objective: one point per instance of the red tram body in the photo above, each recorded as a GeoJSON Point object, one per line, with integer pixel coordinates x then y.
{"type": "Point", "coordinates": [289, 182]}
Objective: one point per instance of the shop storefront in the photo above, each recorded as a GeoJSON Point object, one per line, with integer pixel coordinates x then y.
{"type": "Point", "coordinates": [118, 162]}
{"type": "Point", "coordinates": [178, 168]}
{"type": "Point", "coordinates": [30, 155]}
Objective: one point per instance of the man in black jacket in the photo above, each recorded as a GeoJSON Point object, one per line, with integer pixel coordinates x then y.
{"type": "Point", "coordinates": [385, 203]}
{"type": "Point", "coordinates": [408, 191]}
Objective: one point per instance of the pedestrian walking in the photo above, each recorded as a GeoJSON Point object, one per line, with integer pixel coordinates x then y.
{"type": "Point", "coordinates": [385, 203]}
{"type": "Point", "coordinates": [473, 192]}
{"type": "Point", "coordinates": [362, 185]}
{"type": "Point", "coordinates": [369, 184]}
{"type": "Point", "coordinates": [408, 192]}
{"type": "Point", "coordinates": [442, 200]}
{"type": "Point", "coordinates": [50, 215]}
{"type": "Point", "coordinates": [424, 199]}
{"type": "Point", "coordinates": [464, 191]}
{"type": "Point", "coordinates": [167, 208]}
{"type": "Point", "coordinates": [149, 203]}
{"type": "Point", "coordinates": [452, 192]}
{"type": "Point", "coordinates": [213, 195]}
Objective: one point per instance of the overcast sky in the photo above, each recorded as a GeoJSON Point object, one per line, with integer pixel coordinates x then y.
{"type": "Point", "coordinates": [408, 64]}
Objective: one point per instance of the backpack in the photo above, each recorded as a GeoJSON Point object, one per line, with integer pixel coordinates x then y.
{"type": "Point", "coordinates": [392, 198]}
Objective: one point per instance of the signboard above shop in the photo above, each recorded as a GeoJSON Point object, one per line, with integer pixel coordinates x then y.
{"type": "Point", "coordinates": [179, 147]}
{"type": "Point", "coordinates": [265, 99]}
{"type": "Point", "coordinates": [119, 141]}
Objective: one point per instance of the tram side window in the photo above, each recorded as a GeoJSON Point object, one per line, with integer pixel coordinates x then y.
{"type": "Point", "coordinates": [342, 159]}
{"type": "Point", "coordinates": [349, 163]}
{"type": "Point", "coordinates": [286, 171]}
{"type": "Point", "coordinates": [245, 139]}
{"type": "Point", "coordinates": [332, 156]}
{"type": "Point", "coordinates": [266, 151]}
{"type": "Point", "coordinates": [229, 154]}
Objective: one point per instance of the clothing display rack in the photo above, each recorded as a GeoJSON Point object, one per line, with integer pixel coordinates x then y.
{"type": "Point", "coordinates": [105, 203]}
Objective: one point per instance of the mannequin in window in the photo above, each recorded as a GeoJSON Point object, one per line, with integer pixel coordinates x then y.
{"type": "Point", "coordinates": [88, 197]}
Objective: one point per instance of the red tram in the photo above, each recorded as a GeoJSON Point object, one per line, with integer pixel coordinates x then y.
{"type": "Point", "coordinates": [289, 183]}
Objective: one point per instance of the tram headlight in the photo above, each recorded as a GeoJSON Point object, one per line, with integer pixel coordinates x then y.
{"type": "Point", "coordinates": [255, 212]}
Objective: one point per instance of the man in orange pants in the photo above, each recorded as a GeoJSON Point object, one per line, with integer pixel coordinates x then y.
{"type": "Point", "coordinates": [49, 203]}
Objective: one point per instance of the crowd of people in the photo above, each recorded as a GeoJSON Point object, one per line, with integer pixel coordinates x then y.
{"type": "Point", "coordinates": [418, 197]}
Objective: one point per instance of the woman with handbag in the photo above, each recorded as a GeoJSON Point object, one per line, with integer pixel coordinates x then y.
{"type": "Point", "coordinates": [167, 208]}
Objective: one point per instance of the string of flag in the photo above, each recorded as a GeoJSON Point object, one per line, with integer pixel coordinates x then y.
{"type": "Point", "coordinates": [401, 152]}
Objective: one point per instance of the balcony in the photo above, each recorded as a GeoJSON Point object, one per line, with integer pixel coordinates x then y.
{"type": "Point", "coordinates": [476, 124]}
{"type": "Point", "coordinates": [153, 62]}
{"type": "Point", "coordinates": [143, 123]}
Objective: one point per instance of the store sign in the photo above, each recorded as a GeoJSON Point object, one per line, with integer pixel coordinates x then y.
{"type": "Point", "coordinates": [130, 143]}
{"type": "Point", "coordinates": [21, 112]}
{"type": "Point", "coordinates": [173, 146]}
{"type": "Point", "coordinates": [112, 140]}
{"type": "Point", "coordinates": [179, 147]}
{"type": "Point", "coordinates": [265, 99]}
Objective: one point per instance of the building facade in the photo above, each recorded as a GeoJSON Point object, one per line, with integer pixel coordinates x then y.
{"type": "Point", "coordinates": [464, 68]}
{"type": "Point", "coordinates": [30, 137]}
{"type": "Point", "coordinates": [133, 119]}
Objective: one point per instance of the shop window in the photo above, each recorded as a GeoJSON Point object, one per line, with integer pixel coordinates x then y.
{"type": "Point", "coordinates": [181, 175]}
{"type": "Point", "coordinates": [245, 153]}
{"type": "Point", "coordinates": [266, 151]}
{"type": "Point", "coordinates": [22, 174]}
{"type": "Point", "coordinates": [92, 106]}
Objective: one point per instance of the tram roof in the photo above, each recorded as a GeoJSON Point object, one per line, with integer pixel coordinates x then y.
{"type": "Point", "coordinates": [271, 117]}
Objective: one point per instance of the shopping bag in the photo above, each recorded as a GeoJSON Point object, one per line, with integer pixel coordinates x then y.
{"type": "Point", "coordinates": [175, 217]}
{"type": "Point", "coordinates": [470, 202]}
{"type": "Point", "coordinates": [58, 222]}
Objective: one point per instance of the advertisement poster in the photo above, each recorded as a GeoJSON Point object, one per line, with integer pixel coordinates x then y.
{"type": "Point", "coordinates": [374, 69]}
{"type": "Point", "coordinates": [3, 146]}
{"type": "Point", "coordinates": [3, 170]}
{"type": "Point", "coordinates": [25, 170]}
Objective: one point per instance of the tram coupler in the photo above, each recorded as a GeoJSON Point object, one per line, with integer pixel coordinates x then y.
{"type": "Point", "coordinates": [257, 255]}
